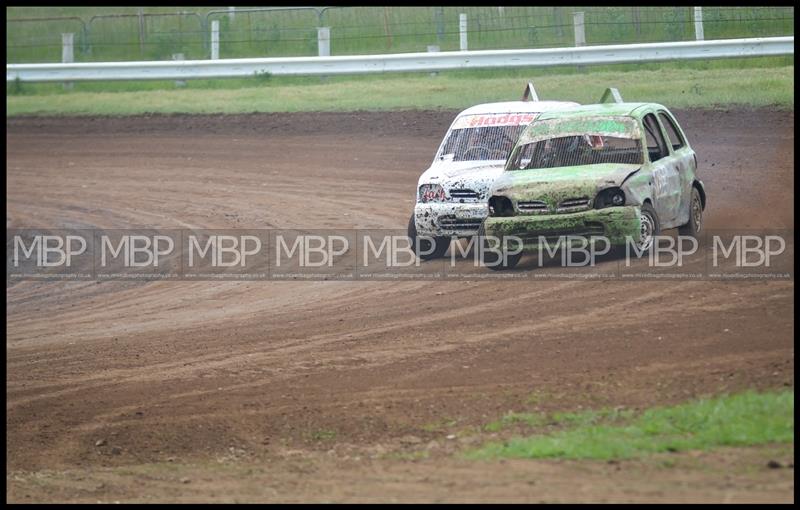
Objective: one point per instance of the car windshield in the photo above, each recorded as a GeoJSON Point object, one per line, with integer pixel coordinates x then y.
{"type": "Point", "coordinates": [484, 137]}
{"type": "Point", "coordinates": [576, 150]}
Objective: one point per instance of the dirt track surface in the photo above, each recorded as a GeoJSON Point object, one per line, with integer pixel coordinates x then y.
{"type": "Point", "coordinates": [316, 387]}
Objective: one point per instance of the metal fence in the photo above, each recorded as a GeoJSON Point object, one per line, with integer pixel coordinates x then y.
{"type": "Point", "coordinates": [357, 64]}
{"type": "Point", "coordinates": [151, 34]}
{"type": "Point", "coordinates": [145, 36]}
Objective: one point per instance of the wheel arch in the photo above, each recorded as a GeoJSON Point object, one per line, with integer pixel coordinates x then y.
{"type": "Point", "coordinates": [500, 205]}
{"type": "Point", "coordinates": [700, 189]}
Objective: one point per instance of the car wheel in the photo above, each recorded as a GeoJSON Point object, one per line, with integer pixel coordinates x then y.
{"type": "Point", "coordinates": [650, 227]}
{"type": "Point", "coordinates": [423, 248]}
{"type": "Point", "coordinates": [492, 259]}
{"type": "Point", "coordinates": [695, 216]}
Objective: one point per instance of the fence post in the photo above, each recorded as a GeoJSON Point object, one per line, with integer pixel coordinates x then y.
{"type": "Point", "coordinates": [698, 23]}
{"type": "Point", "coordinates": [324, 41]}
{"type": "Point", "coordinates": [178, 56]}
{"type": "Point", "coordinates": [462, 31]}
{"type": "Point", "coordinates": [67, 54]}
{"type": "Point", "coordinates": [215, 39]}
{"type": "Point", "coordinates": [580, 34]}
{"type": "Point", "coordinates": [232, 13]}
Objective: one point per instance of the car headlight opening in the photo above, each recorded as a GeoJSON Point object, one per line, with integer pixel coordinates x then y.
{"type": "Point", "coordinates": [610, 197]}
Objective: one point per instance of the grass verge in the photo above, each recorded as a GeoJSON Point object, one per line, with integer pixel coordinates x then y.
{"type": "Point", "coordinates": [739, 420]}
{"type": "Point", "coordinates": [678, 88]}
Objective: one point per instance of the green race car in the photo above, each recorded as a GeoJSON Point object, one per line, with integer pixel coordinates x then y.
{"type": "Point", "coordinates": [616, 171]}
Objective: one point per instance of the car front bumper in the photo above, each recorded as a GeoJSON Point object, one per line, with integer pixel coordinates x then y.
{"type": "Point", "coordinates": [438, 219]}
{"type": "Point", "coordinates": [616, 224]}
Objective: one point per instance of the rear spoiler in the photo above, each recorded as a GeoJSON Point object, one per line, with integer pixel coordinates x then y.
{"type": "Point", "coordinates": [530, 93]}
{"type": "Point", "coordinates": [611, 95]}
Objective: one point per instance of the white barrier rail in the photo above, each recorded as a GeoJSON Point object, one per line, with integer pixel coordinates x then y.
{"type": "Point", "coordinates": [355, 64]}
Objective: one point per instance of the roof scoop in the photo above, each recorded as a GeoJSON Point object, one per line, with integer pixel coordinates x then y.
{"type": "Point", "coordinates": [530, 93]}
{"type": "Point", "coordinates": [611, 95]}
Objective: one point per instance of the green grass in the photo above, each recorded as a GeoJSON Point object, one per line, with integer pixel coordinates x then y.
{"type": "Point", "coordinates": [115, 34]}
{"type": "Point", "coordinates": [590, 417]}
{"type": "Point", "coordinates": [323, 435]}
{"type": "Point", "coordinates": [739, 420]}
{"type": "Point", "coordinates": [454, 90]}
{"type": "Point", "coordinates": [439, 425]}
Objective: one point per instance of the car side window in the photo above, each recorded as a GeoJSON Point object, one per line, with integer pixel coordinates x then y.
{"type": "Point", "coordinates": [525, 155]}
{"type": "Point", "coordinates": [656, 147]}
{"type": "Point", "coordinates": [672, 132]}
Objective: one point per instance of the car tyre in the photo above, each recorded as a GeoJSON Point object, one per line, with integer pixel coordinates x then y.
{"type": "Point", "coordinates": [650, 227]}
{"type": "Point", "coordinates": [490, 259]}
{"type": "Point", "coordinates": [440, 243]}
{"type": "Point", "coordinates": [695, 216]}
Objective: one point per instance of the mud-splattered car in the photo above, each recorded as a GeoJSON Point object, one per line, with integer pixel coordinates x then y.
{"type": "Point", "coordinates": [451, 195]}
{"type": "Point", "coordinates": [613, 170]}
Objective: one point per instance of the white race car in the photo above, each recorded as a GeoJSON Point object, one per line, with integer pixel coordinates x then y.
{"type": "Point", "coordinates": [452, 195]}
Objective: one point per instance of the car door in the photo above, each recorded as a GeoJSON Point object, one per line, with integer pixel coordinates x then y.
{"type": "Point", "coordinates": [685, 162]}
{"type": "Point", "coordinates": [666, 178]}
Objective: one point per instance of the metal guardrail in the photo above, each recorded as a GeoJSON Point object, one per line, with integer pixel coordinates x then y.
{"type": "Point", "coordinates": [356, 64]}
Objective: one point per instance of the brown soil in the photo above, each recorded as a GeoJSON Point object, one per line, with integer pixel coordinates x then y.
{"type": "Point", "coordinates": [272, 390]}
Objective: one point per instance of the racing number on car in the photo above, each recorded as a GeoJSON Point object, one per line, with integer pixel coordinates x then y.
{"type": "Point", "coordinates": [659, 181]}
{"type": "Point", "coordinates": [667, 190]}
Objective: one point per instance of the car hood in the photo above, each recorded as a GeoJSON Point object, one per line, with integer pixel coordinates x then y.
{"type": "Point", "coordinates": [475, 175]}
{"type": "Point", "coordinates": [552, 185]}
